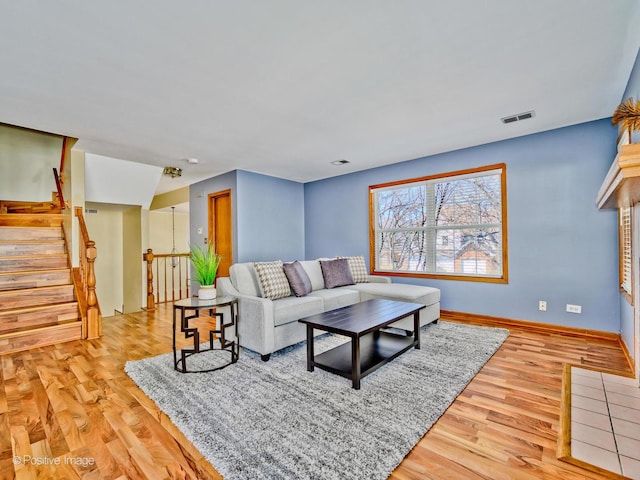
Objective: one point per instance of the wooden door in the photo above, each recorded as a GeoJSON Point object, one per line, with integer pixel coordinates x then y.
{"type": "Point", "coordinates": [220, 229]}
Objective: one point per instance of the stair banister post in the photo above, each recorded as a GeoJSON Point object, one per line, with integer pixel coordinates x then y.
{"type": "Point", "coordinates": [148, 257]}
{"type": "Point", "coordinates": [93, 323]}
{"type": "Point", "coordinates": [91, 253]}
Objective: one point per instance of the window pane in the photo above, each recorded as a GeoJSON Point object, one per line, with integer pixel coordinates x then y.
{"type": "Point", "coordinates": [625, 249]}
{"type": "Point", "coordinates": [402, 207]}
{"type": "Point", "coordinates": [448, 226]}
{"type": "Point", "coordinates": [471, 201]}
{"type": "Point", "coordinates": [402, 251]}
{"type": "Point", "coordinates": [458, 249]}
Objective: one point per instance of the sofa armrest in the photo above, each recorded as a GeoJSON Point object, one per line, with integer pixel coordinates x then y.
{"type": "Point", "coordinates": [255, 318]}
{"type": "Point", "coordinates": [379, 279]}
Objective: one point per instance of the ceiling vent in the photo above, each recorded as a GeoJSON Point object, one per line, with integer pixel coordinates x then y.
{"type": "Point", "coordinates": [518, 117]}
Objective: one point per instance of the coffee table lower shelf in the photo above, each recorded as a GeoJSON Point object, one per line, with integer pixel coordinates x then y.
{"type": "Point", "coordinates": [375, 349]}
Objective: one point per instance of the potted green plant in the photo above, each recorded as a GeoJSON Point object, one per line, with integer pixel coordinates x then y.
{"type": "Point", "coordinates": [205, 262]}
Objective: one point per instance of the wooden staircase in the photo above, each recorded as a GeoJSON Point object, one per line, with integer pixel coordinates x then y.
{"type": "Point", "coordinates": [38, 304]}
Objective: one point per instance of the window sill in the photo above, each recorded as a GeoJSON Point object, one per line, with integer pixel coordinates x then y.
{"type": "Point", "coordinates": [462, 278]}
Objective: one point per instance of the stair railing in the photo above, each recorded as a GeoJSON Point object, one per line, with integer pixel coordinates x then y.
{"type": "Point", "coordinates": [85, 279]}
{"type": "Point", "coordinates": [59, 188]}
{"type": "Point", "coordinates": [58, 177]}
{"type": "Point", "coordinates": [171, 280]}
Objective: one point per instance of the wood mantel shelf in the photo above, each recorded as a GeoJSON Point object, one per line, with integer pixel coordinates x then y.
{"type": "Point", "coordinates": [621, 186]}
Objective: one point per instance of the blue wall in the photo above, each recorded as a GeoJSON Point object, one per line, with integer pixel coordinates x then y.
{"type": "Point", "coordinates": [627, 322]}
{"type": "Point", "coordinates": [562, 249]}
{"type": "Point", "coordinates": [199, 208]}
{"type": "Point", "coordinates": [270, 218]}
{"type": "Point", "coordinates": [268, 215]}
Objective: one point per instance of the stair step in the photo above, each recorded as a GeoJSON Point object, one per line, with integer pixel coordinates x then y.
{"type": "Point", "coordinates": [34, 279]}
{"type": "Point", "coordinates": [26, 340]}
{"type": "Point", "coordinates": [31, 220]}
{"type": "Point", "coordinates": [12, 299]}
{"type": "Point", "coordinates": [31, 247]}
{"type": "Point", "coordinates": [31, 233]}
{"type": "Point", "coordinates": [24, 319]}
{"type": "Point", "coordinates": [18, 207]}
{"type": "Point", "coordinates": [32, 262]}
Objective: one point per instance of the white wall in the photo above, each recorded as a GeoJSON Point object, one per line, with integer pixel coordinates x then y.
{"type": "Point", "coordinates": [105, 228]}
{"type": "Point", "coordinates": [160, 241]}
{"type": "Point", "coordinates": [110, 180]}
{"type": "Point", "coordinates": [27, 158]}
{"type": "Point", "coordinates": [160, 232]}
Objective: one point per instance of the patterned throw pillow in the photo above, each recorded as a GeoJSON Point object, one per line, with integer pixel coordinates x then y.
{"type": "Point", "coordinates": [273, 281]}
{"type": "Point", "coordinates": [358, 268]}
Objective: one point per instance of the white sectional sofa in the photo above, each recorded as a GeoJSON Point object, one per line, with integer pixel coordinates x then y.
{"type": "Point", "coordinates": [266, 325]}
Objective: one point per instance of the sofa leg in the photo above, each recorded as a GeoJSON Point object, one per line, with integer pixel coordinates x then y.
{"type": "Point", "coordinates": [408, 333]}
{"type": "Point", "coordinates": [265, 358]}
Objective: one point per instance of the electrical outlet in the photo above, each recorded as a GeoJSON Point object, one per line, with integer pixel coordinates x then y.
{"type": "Point", "coordinates": [199, 230]}
{"type": "Point", "coordinates": [542, 306]}
{"type": "Point", "coordinates": [574, 308]}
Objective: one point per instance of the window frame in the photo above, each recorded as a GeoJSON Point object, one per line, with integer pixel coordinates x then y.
{"type": "Point", "coordinates": [625, 252]}
{"type": "Point", "coordinates": [442, 276]}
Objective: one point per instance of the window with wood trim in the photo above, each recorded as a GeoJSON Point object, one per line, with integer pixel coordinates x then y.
{"type": "Point", "coordinates": [624, 233]}
{"type": "Point", "coordinates": [448, 226]}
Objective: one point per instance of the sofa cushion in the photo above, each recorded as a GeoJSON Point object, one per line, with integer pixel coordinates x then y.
{"type": "Point", "coordinates": [398, 291]}
{"type": "Point", "coordinates": [298, 279]}
{"type": "Point", "coordinates": [290, 309]}
{"type": "Point", "coordinates": [245, 279]}
{"type": "Point", "coordinates": [336, 297]}
{"type": "Point", "coordinates": [336, 273]}
{"type": "Point", "coordinates": [273, 281]}
{"type": "Point", "coordinates": [358, 268]}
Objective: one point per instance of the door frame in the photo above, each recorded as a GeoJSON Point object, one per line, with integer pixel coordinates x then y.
{"type": "Point", "coordinates": [211, 218]}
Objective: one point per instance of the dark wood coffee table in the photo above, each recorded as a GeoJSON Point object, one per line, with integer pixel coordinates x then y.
{"type": "Point", "coordinates": [370, 348]}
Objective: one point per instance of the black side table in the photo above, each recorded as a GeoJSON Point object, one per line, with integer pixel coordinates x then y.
{"type": "Point", "coordinates": [194, 304]}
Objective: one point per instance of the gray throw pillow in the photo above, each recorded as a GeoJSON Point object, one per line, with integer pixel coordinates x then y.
{"type": "Point", "coordinates": [358, 269]}
{"type": "Point", "coordinates": [298, 279]}
{"type": "Point", "coordinates": [336, 273]}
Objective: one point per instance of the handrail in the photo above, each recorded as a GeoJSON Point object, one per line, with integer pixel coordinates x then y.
{"type": "Point", "coordinates": [59, 187]}
{"type": "Point", "coordinates": [59, 178]}
{"type": "Point", "coordinates": [63, 154]}
{"type": "Point", "coordinates": [89, 308]}
{"type": "Point", "coordinates": [172, 289]}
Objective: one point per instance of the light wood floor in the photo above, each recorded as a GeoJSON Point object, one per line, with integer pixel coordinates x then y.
{"type": "Point", "coordinates": [72, 402]}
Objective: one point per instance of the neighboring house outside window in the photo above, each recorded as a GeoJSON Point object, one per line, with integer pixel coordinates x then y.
{"type": "Point", "coordinates": [449, 226]}
{"type": "Point", "coordinates": [624, 235]}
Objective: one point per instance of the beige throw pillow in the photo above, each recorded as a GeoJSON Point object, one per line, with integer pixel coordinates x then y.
{"type": "Point", "coordinates": [273, 281]}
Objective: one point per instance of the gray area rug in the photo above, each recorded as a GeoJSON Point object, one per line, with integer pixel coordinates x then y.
{"type": "Point", "coordinates": [274, 420]}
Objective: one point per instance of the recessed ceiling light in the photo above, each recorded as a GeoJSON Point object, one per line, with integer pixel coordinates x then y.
{"type": "Point", "coordinates": [340, 162]}
{"type": "Point", "coordinates": [192, 161]}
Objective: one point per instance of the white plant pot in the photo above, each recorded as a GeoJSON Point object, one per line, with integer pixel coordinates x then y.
{"type": "Point", "coordinates": [207, 292]}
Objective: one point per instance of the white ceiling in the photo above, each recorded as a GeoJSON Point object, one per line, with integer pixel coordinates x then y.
{"type": "Point", "coordinates": [283, 87]}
